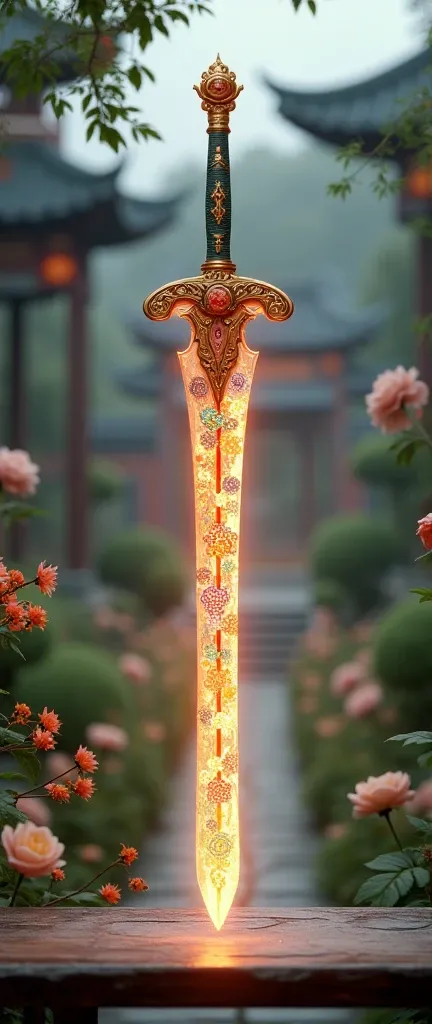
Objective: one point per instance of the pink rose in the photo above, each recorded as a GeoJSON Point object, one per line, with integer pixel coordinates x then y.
{"type": "Point", "coordinates": [345, 677]}
{"type": "Point", "coordinates": [91, 853]}
{"type": "Point", "coordinates": [137, 669]}
{"type": "Point", "coordinates": [35, 809]}
{"type": "Point", "coordinates": [381, 793]}
{"type": "Point", "coordinates": [329, 726]}
{"type": "Point", "coordinates": [421, 802]}
{"type": "Point", "coordinates": [154, 731]}
{"type": "Point", "coordinates": [362, 701]}
{"type": "Point", "coordinates": [107, 737]}
{"type": "Point", "coordinates": [392, 392]}
{"type": "Point", "coordinates": [425, 531]}
{"type": "Point", "coordinates": [18, 474]}
{"type": "Point", "coordinates": [32, 849]}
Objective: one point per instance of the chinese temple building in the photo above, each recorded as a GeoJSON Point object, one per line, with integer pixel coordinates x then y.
{"type": "Point", "coordinates": [366, 111]}
{"type": "Point", "coordinates": [53, 215]}
{"type": "Point", "coordinates": [299, 423]}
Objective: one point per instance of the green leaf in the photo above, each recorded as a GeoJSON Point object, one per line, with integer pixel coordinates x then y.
{"type": "Point", "coordinates": [14, 645]}
{"type": "Point", "coordinates": [427, 557]}
{"type": "Point", "coordinates": [10, 736]}
{"type": "Point", "coordinates": [135, 76]}
{"type": "Point", "coordinates": [90, 130]}
{"type": "Point", "coordinates": [12, 775]}
{"type": "Point", "coordinates": [178, 16]}
{"type": "Point", "coordinates": [409, 738]}
{"type": "Point", "coordinates": [420, 824]}
{"type": "Point", "coordinates": [6, 692]}
{"type": "Point", "coordinates": [312, 6]}
{"type": "Point", "coordinates": [391, 861]}
{"type": "Point", "coordinates": [425, 594]}
{"type": "Point", "coordinates": [421, 877]}
{"type": "Point", "coordinates": [9, 814]}
{"type": "Point", "coordinates": [386, 889]}
{"type": "Point", "coordinates": [29, 762]}
{"type": "Point", "coordinates": [425, 760]}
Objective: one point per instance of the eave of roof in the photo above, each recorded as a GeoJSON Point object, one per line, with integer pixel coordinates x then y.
{"type": "Point", "coordinates": [363, 109]}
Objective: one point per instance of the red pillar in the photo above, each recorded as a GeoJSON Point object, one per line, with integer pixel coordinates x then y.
{"type": "Point", "coordinates": [424, 305]}
{"type": "Point", "coordinates": [307, 497]}
{"type": "Point", "coordinates": [77, 432]}
{"type": "Point", "coordinates": [17, 421]}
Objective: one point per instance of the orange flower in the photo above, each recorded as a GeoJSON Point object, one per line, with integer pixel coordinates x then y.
{"type": "Point", "coordinates": [15, 615]}
{"type": "Point", "coordinates": [86, 760]}
{"type": "Point", "coordinates": [16, 578]}
{"type": "Point", "coordinates": [37, 616]}
{"type": "Point", "coordinates": [425, 531]}
{"type": "Point", "coordinates": [128, 854]}
{"type": "Point", "coordinates": [111, 893]}
{"type": "Point", "coordinates": [43, 740]}
{"type": "Point", "coordinates": [58, 875]}
{"type": "Point", "coordinates": [84, 787]}
{"type": "Point", "coordinates": [137, 885]}
{"type": "Point", "coordinates": [58, 791]}
{"type": "Point", "coordinates": [21, 714]}
{"type": "Point", "coordinates": [46, 578]}
{"type": "Point", "coordinates": [49, 720]}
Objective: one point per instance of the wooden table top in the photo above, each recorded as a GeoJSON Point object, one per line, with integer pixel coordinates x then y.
{"type": "Point", "coordinates": [166, 958]}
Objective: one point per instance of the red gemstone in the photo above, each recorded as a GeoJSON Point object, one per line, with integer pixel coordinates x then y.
{"type": "Point", "coordinates": [219, 85]}
{"type": "Point", "coordinates": [218, 299]}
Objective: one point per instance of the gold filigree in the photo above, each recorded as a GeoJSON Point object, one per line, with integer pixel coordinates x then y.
{"type": "Point", "coordinates": [218, 160]}
{"type": "Point", "coordinates": [253, 296]}
{"type": "Point", "coordinates": [218, 211]}
{"type": "Point", "coordinates": [218, 365]}
{"type": "Point", "coordinates": [218, 242]}
{"type": "Point", "coordinates": [218, 91]}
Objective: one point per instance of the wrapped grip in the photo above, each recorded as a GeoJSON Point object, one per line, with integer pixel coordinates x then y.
{"type": "Point", "coordinates": [218, 199]}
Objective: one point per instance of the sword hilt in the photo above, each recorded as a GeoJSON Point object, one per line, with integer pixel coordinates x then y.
{"type": "Point", "coordinates": [218, 91]}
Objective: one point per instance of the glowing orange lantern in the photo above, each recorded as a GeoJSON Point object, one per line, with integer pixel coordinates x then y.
{"type": "Point", "coordinates": [419, 182]}
{"type": "Point", "coordinates": [217, 369]}
{"type": "Point", "coordinates": [58, 269]}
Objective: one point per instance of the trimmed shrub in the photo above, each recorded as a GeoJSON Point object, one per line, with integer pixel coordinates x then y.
{"type": "Point", "coordinates": [374, 464]}
{"type": "Point", "coordinates": [403, 659]}
{"type": "Point", "coordinates": [329, 594]}
{"type": "Point", "coordinates": [355, 552]}
{"type": "Point", "coordinates": [83, 684]}
{"type": "Point", "coordinates": [147, 563]}
{"type": "Point", "coordinates": [104, 482]}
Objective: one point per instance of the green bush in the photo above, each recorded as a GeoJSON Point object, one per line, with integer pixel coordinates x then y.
{"type": "Point", "coordinates": [104, 482]}
{"type": "Point", "coordinates": [403, 659]}
{"type": "Point", "coordinates": [147, 563]}
{"type": "Point", "coordinates": [83, 684]}
{"type": "Point", "coordinates": [355, 552]}
{"type": "Point", "coordinates": [374, 464]}
{"type": "Point", "coordinates": [329, 594]}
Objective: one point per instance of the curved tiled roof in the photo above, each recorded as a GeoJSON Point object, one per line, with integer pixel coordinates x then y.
{"type": "Point", "coordinates": [361, 110]}
{"type": "Point", "coordinates": [42, 191]}
{"type": "Point", "coordinates": [322, 319]}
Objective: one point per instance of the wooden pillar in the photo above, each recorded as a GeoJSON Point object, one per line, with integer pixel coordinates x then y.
{"type": "Point", "coordinates": [77, 432]}
{"type": "Point", "coordinates": [424, 305]}
{"type": "Point", "coordinates": [307, 511]}
{"type": "Point", "coordinates": [17, 414]}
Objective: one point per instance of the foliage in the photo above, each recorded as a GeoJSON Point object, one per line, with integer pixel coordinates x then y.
{"type": "Point", "coordinates": [104, 482]}
{"type": "Point", "coordinates": [85, 36]}
{"type": "Point", "coordinates": [373, 462]}
{"type": "Point", "coordinates": [145, 562]}
{"type": "Point", "coordinates": [403, 659]}
{"type": "Point", "coordinates": [355, 552]}
{"type": "Point", "coordinates": [84, 685]}
{"type": "Point", "coordinates": [330, 594]}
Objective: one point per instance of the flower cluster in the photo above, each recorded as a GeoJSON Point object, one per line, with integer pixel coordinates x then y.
{"type": "Point", "coordinates": [23, 615]}
{"type": "Point", "coordinates": [221, 540]}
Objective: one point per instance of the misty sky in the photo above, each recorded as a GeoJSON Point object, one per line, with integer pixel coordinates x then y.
{"type": "Point", "coordinates": [347, 40]}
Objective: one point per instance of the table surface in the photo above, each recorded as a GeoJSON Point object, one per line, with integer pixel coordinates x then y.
{"type": "Point", "coordinates": [262, 957]}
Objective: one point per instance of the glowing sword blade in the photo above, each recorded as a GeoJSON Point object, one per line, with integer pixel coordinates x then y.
{"type": "Point", "coordinates": [217, 370]}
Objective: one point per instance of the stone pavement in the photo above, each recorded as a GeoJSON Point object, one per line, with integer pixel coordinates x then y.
{"type": "Point", "coordinates": [277, 845]}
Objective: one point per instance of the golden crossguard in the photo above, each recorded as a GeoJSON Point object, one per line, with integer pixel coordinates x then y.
{"type": "Point", "coordinates": [217, 369]}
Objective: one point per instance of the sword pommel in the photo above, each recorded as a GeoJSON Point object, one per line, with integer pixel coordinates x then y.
{"type": "Point", "coordinates": [218, 91]}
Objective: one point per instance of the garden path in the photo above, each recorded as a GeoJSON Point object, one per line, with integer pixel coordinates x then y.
{"type": "Point", "coordinates": [278, 846]}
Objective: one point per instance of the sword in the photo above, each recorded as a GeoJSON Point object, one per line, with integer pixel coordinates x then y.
{"type": "Point", "coordinates": [217, 370]}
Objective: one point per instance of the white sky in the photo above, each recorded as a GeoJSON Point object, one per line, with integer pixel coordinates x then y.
{"type": "Point", "coordinates": [346, 41]}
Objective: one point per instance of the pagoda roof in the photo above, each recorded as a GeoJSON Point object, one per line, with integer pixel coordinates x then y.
{"type": "Point", "coordinates": [363, 109]}
{"type": "Point", "coordinates": [43, 192]}
{"type": "Point", "coordinates": [25, 26]}
{"type": "Point", "coordinates": [322, 320]}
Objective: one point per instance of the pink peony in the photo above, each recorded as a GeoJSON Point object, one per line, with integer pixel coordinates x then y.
{"type": "Point", "coordinates": [362, 701]}
{"type": "Point", "coordinates": [392, 392]}
{"type": "Point", "coordinates": [381, 793]}
{"type": "Point", "coordinates": [32, 849]}
{"type": "Point", "coordinates": [329, 726]}
{"type": "Point", "coordinates": [137, 669]}
{"type": "Point", "coordinates": [107, 737]}
{"type": "Point", "coordinates": [154, 731]}
{"type": "Point", "coordinates": [345, 677]}
{"type": "Point", "coordinates": [35, 809]}
{"type": "Point", "coordinates": [425, 531]}
{"type": "Point", "coordinates": [421, 802]}
{"type": "Point", "coordinates": [91, 853]}
{"type": "Point", "coordinates": [18, 474]}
